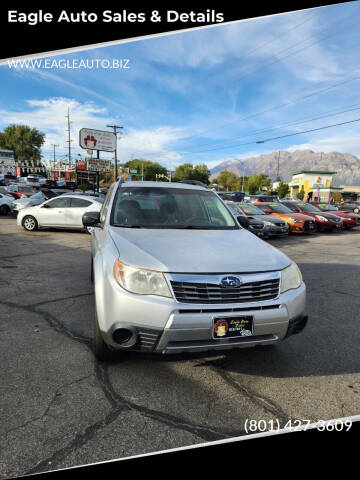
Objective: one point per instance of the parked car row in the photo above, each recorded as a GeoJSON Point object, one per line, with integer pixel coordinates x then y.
{"type": "Point", "coordinates": [258, 222]}
{"type": "Point", "coordinates": [299, 217]}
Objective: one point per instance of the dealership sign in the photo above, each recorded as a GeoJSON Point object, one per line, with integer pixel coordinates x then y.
{"type": "Point", "coordinates": [98, 165]}
{"type": "Point", "coordinates": [97, 140]}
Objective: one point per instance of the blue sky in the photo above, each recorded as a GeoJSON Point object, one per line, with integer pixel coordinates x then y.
{"type": "Point", "coordinates": [198, 96]}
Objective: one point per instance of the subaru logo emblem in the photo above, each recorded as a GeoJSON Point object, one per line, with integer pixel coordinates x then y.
{"type": "Point", "coordinates": [230, 282]}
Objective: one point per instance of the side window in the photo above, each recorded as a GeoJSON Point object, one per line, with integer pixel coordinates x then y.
{"type": "Point", "coordinates": [106, 203]}
{"type": "Point", "coordinates": [292, 207]}
{"type": "Point", "coordinates": [59, 203]}
{"type": "Point", "coordinates": [79, 203]}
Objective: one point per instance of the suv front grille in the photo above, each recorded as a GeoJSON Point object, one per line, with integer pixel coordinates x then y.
{"type": "Point", "coordinates": [188, 292]}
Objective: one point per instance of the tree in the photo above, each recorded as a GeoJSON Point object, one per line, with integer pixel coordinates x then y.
{"type": "Point", "coordinates": [282, 189]}
{"type": "Point", "coordinates": [337, 197]}
{"type": "Point", "coordinates": [149, 168]}
{"type": "Point", "coordinates": [201, 173]}
{"type": "Point", "coordinates": [25, 142]}
{"type": "Point", "coordinates": [227, 180]}
{"type": "Point", "coordinates": [257, 182]}
{"type": "Point", "coordinates": [300, 195]}
{"type": "Point", "coordinates": [187, 171]}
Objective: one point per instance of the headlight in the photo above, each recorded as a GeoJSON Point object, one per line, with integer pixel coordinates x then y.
{"type": "Point", "coordinates": [140, 281]}
{"type": "Point", "coordinates": [321, 218]}
{"type": "Point", "coordinates": [270, 224]}
{"type": "Point", "coordinates": [290, 278]}
{"type": "Point", "coordinates": [19, 206]}
{"type": "Point", "coordinates": [296, 220]}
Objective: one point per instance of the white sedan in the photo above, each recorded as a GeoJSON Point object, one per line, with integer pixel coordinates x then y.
{"type": "Point", "coordinates": [65, 211]}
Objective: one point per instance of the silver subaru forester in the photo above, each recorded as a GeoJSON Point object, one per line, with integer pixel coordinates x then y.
{"type": "Point", "coordinates": [173, 271]}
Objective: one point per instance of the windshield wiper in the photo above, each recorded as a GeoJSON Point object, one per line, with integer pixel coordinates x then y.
{"type": "Point", "coordinates": [127, 226]}
{"type": "Point", "coordinates": [196, 227]}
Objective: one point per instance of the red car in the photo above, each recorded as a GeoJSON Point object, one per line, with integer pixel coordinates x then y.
{"type": "Point", "coordinates": [349, 219]}
{"type": "Point", "coordinates": [324, 221]}
{"type": "Point", "coordinates": [21, 190]}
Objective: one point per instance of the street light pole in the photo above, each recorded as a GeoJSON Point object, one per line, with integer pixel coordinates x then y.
{"type": "Point", "coordinates": [115, 127]}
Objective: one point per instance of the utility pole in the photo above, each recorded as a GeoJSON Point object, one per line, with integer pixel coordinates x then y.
{"type": "Point", "coordinates": [53, 145]}
{"type": "Point", "coordinates": [69, 139]}
{"type": "Point", "coordinates": [115, 127]}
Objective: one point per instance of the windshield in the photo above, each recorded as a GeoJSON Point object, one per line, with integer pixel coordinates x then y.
{"type": "Point", "coordinates": [37, 196]}
{"type": "Point", "coordinates": [276, 208]}
{"type": "Point", "coordinates": [307, 207]}
{"type": "Point", "coordinates": [251, 209]}
{"type": "Point", "coordinates": [326, 207]}
{"type": "Point", "coordinates": [161, 207]}
{"type": "Point", "coordinates": [235, 209]}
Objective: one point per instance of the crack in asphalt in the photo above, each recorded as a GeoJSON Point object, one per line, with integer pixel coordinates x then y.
{"type": "Point", "coordinates": [34, 254]}
{"type": "Point", "coordinates": [205, 433]}
{"type": "Point", "coordinates": [78, 441]}
{"type": "Point", "coordinates": [56, 394]}
{"type": "Point", "coordinates": [39, 304]}
{"type": "Point", "coordinates": [260, 400]}
{"type": "Point", "coordinates": [219, 366]}
{"type": "Point", "coordinates": [118, 403]}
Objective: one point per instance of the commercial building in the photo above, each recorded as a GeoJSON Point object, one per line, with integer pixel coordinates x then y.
{"type": "Point", "coordinates": [317, 183]}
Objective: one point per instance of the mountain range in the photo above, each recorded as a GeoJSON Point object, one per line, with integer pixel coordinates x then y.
{"type": "Point", "coordinates": [346, 165]}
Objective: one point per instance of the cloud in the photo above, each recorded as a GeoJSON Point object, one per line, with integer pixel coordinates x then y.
{"type": "Point", "coordinates": [49, 116]}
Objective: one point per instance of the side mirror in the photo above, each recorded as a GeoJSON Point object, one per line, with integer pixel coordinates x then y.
{"type": "Point", "coordinates": [244, 221]}
{"type": "Point", "coordinates": [45, 206]}
{"type": "Point", "coordinates": [268, 211]}
{"type": "Point", "coordinates": [91, 219]}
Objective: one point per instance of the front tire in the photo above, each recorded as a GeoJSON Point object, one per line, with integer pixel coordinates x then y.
{"type": "Point", "coordinates": [29, 223]}
{"type": "Point", "coordinates": [4, 210]}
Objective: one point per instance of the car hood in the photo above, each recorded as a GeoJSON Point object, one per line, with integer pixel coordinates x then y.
{"type": "Point", "coordinates": [299, 216]}
{"type": "Point", "coordinates": [267, 218]}
{"type": "Point", "coordinates": [328, 215]}
{"type": "Point", "coordinates": [196, 251]}
{"type": "Point", "coordinates": [342, 214]}
{"type": "Point", "coordinates": [23, 200]}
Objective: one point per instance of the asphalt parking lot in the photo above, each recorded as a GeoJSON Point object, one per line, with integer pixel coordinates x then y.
{"type": "Point", "coordinates": [61, 408]}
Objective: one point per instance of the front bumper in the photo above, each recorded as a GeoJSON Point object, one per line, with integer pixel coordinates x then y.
{"type": "Point", "coordinates": [308, 226]}
{"type": "Point", "coordinates": [279, 230]}
{"type": "Point", "coordinates": [164, 325]}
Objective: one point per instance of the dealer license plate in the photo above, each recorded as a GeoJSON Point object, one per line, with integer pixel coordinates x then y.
{"type": "Point", "coordinates": [240, 326]}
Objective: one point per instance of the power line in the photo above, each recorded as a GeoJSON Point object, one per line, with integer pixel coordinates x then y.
{"type": "Point", "coordinates": [307, 131]}
{"type": "Point", "coordinates": [234, 121]}
{"type": "Point", "coordinates": [265, 44]}
{"type": "Point", "coordinates": [294, 123]}
{"type": "Point", "coordinates": [299, 50]}
{"type": "Point", "coordinates": [285, 104]}
{"type": "Point", "coordinates": [254, 142]}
